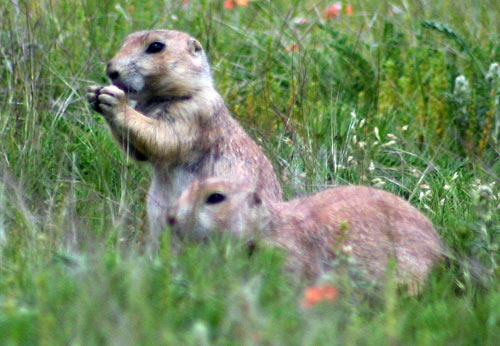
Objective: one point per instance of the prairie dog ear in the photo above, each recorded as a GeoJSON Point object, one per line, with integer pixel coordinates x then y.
{"type": "Point", "coordinates": [194, 47]}
{"type": "Point", "coordinates": [255, 200]}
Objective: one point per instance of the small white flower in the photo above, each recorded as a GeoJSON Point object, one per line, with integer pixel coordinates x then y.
{"type": "Point", "coordinates": [378, 182]}
{"type": "Point", "coordinates": [455, 176]}
{"type": "Point", "coordinates": [391, 136]}
{"type": "Point", "coordinates": [375, 130]}
{"type": "Point", "coordinates": [493, 72]}
{"type": "Point", "coordinates": [347, 249]}
{"type": "Point", "coordinates": [388, 144]}
{"type": "Point", "coordinates": [415, 172]}
{"type": "Point", "coordinates": [462, 88]}
{"type": "Point", "coordinates": [371, 168]}
{"type": "Point", "coordinates": [424, 195]}
{"type": "Point", "coordinates": [446, 187]}
{"type": "Point", "coordinates": [428, 208]}
{"type": "Point", "coordinates": [404, 128]}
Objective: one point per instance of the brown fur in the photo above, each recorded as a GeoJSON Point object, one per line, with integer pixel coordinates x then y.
{"type": "Point", "coordinates": [372, 225]}
{"type": "Point", "coordinates": [179, 122]}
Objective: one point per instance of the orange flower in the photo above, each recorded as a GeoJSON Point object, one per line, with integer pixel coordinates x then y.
{"type": "Point", "coordinates": [241, 2]}
{"type": "Point", "coordinates": [185, 1]}
{"type": "Point", "coordinates": [292, 47]}
{"type": "Point", "coordinates": [332, 11]}
{"type": "Point", "coordinates": [317, 294]}
{"type": "Point", "coordinates": [228, 4]}
{"type": "Point", "coordinates": [298, 21]}
{"type": "Point", "coordinates": [348, 10]}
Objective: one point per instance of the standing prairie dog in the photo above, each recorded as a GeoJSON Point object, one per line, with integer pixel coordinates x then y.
{"type": "Point", "coordinates": [179, 122]}
{"type": "Point", "coordinates": [371, 225]}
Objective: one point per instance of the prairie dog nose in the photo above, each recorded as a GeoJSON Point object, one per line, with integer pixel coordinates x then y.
{"type": "Point", "coordinates": [112, 72]}
{"type": "Point", "coordinates": [171, 220]}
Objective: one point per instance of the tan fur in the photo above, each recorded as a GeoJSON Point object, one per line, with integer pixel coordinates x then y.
{"type": "Point", "coordinates": [163, 108]}
{"type": "Point", "coordinates": [372, 225]}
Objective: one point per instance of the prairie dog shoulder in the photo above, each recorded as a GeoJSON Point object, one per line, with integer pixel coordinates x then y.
{"type": "Point", "coordinates": [374, 224]}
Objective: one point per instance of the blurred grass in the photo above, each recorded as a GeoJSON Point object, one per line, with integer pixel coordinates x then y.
{"type": "Point", "coordinates": [371, 98]}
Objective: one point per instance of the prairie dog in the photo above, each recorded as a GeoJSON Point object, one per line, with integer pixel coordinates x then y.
{"type": "Point", "coordinates": [371, 225]}
{"type": "Point", "coordinates": [179, 122]}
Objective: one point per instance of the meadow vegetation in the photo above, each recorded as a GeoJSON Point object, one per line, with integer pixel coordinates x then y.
{"type": "Point", "coordinates": [403, 96]}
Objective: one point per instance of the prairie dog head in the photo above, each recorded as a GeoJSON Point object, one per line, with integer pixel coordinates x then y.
{"type": "Point", "coordinates": [218, 205]}
{"type": "Point", "coordinates": [159, 64]}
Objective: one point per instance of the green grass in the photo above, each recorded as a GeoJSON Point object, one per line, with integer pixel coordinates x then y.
{"type": "Point", "coordinates": [367, 99]}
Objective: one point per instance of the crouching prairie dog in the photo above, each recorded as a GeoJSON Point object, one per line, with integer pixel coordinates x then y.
{"type": "Point", "coordinates": [371, 225]}
{"type": "Point", "coordinates": [162, 107]}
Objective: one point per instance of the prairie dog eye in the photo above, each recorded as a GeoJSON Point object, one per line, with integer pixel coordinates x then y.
{"type": "Point", "coordinates": [215, 198]}
{"type": "Point", "coordinates": [155, 47]}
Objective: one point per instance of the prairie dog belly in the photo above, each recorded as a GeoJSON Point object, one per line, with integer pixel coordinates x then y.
{"type": "Point", "coordinates": [165, 189]}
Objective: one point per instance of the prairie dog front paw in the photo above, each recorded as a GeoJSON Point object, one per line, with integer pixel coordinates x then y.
{"type": "Point", "coordinates": [92, 96]}
{"type": "Point", "coordinates": [110, 101]}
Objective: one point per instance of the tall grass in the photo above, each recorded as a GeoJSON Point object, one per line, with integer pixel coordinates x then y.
{"type": "Point", "coordinates": [403, 96]}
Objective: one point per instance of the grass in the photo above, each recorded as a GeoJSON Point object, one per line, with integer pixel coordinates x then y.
{"type": "Point", "coordinates": [375, 98]}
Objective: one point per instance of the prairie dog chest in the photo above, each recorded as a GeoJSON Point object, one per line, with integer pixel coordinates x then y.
{"type": "Point", "coordinates": [168, 184]}
{"type": "Point", "coordinates": [157, 111]}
